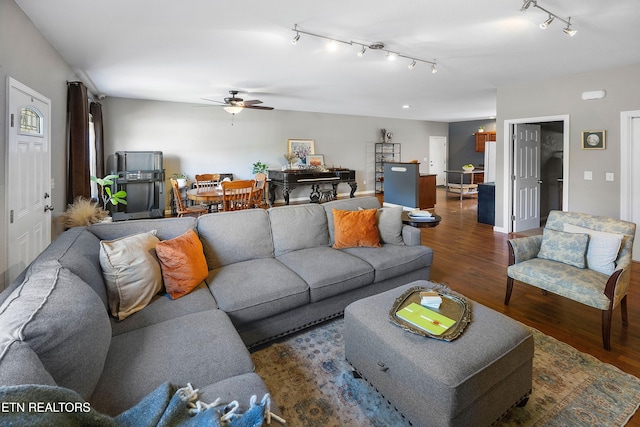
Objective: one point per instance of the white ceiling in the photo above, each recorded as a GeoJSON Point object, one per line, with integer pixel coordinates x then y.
{"type": "Point", "coordinates": [185, 50]}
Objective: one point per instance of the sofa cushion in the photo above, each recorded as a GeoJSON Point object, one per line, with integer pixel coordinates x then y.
{"type": "Point", "coordinates": [351, 204]}
{"type": "Point", "coordinates": [394, 260]}
{"type": "Point", "coordinates": [162, 308]}
{"type": "Point", "coordinates": [230, 237]}
{"type": "Point", "coordinates": [82, 257]}
{"type": "Point", "coordinates": [355, 229]}
{"type": "Point", "coordinates": [62, 320]}
{"type": "Point", "coordinates": [252, 290]}
{"type": "Point", "coordinates": [183, 263]}
{"type": "Point", "coordinates": [568, 248]}
{"type": "Point", "coordinates": [603, 248]}
{"type": "Point", "coordinates": [201, 347]}
{"type": "Point", "coordinates": [579, 284]}
{"type": "Point", "coordinates": [166, 228]}
{"type": "Point", "coordinates": [19, 364]}
{"type": "Point", "coordinates": [298, 227]}
{"type": "Point", "coordinates": [328, 271]}
{"type": "Point", "coordinates": [131, 272]}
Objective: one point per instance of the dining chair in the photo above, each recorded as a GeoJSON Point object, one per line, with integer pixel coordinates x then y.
{"type": "Point", "coordinates": [181, 209]}
{"type": "Point", "coordinates": [257, 200]}
{"type": "Point", "coordinates": [237, 195]}
{"type": "Point", "coordinates": [207, 182]}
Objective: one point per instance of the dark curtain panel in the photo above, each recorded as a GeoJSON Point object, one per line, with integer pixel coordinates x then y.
{"type": "Point", "coordinates": [78, 177]}
{"type": "Point", "coordinates": [96, 111]}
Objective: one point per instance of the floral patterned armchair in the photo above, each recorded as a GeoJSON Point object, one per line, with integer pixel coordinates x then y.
{"type": "Point", "coordinates": [583, 257]}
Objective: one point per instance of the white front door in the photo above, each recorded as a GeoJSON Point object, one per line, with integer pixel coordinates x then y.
{"type": "Point", "coordinates": [438, 157]}
{"type": "Point", "coordinates": [526, 173]}
{"type": "Point", "coordinates": [28, 177]}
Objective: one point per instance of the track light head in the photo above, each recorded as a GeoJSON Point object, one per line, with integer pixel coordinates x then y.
{"type": "Point", "coordinates": [412, 65]}
{"type": "Point", "coordinates": [433, 68]}
{"type": "Point", "coordinates": [526, 5]}
{"type": "Point", "coordinates": [392, 56]}
{"type": "Point", "coordinates": [567, 30]}
{"type": "Point", "coordinates": [547, 22]}
{"type": "Point", "coordinates": [295, 39]}
{"type": "Point", "coordinates": [362, 51]}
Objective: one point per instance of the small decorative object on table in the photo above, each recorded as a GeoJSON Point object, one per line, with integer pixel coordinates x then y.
{"type": "Point", "coordinates": [468, 167]}
{"type": "Point", "coordinates": [445, 322]}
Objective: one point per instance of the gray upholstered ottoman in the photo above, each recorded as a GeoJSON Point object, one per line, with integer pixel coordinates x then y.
{"type": "Point", "coordinates": [470, 381]}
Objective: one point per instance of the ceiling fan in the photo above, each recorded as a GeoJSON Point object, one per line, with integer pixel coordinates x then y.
{"type": "Point", "coordinates": [234, 104]}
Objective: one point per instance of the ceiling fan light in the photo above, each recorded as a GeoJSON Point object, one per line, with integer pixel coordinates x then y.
{"type": "Point", "coordinates": [547, 22]}
{"type": "Point", "coordinates": [233, 110]}
{"type": "Point", "coordinates": [412, 65]}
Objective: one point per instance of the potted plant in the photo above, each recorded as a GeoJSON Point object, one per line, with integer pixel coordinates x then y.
{"type": "Point", "coordinates": [290, 157]}
{"type": "Point", "coordinates": [182, 179]}
{"type": "Point", "coordinates": [106, 191]}
{"type": "Point", "coordinates": [259, 167]}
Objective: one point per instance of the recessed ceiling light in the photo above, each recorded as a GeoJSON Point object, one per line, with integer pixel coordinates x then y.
{"type": "Point", "coordinates": [406, 106]}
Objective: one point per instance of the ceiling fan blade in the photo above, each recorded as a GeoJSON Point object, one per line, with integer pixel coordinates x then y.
{"type": "Point", "coordinates": [252, 102]}
{"type": "Point", "coordinates": [212, 100]}
{"type": "Point", "coordinates": [258, 107]}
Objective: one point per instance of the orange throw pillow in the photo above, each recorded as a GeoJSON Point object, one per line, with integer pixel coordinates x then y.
{"type": "Point", "coordinates": [183, 263]}
{"type": "Point", "coordinates": [355, 229]}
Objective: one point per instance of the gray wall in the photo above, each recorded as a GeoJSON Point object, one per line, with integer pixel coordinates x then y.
{"type": "Point", "coordinates": [26, 56]}
{"type": "Point", "coordinates": [199, 140]}
{"type": "Point", "coordinates": [562, 96]}
{"type": "Point", "coordinates": [462, 143]}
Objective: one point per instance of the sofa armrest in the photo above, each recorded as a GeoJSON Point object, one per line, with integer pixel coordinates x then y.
{"type": "Point", "coordinates": [524, 248]}
{"type": "Point", "coordinates": [411, 235]}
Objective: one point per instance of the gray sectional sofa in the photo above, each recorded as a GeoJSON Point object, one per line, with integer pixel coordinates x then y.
{"type": "Point", "coordinates": [271, 272]}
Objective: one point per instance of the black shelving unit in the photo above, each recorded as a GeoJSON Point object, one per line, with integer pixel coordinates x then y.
{"type": "Point", "coordinates": [141, 175]}
{"type": "Point", "coordinates": [386, 152]}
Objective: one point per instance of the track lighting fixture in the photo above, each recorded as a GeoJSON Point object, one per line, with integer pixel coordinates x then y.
{"type": "Point", "coordinates": [547, 22]}
{"type": "Point", "coordinates": [392, 56]}
{"type": "Point", "coordinates": [296, 38]}
{"type": "Point", "coordinates": [567, 30]}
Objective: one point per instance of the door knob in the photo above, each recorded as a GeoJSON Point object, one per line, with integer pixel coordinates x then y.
{"type": "Point", "coordinates": [46, 195]}
{"type": "Point", "coordinates": [539, 181]}
{"type": "Point", "coordinates": [48, 208]}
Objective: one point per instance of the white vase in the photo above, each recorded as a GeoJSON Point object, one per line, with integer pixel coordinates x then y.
{"type": "Point", "coordinates": [182, 182]}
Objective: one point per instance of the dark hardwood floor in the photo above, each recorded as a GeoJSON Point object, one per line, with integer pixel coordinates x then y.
{"type": "Point", "coordinates": [472, 259]}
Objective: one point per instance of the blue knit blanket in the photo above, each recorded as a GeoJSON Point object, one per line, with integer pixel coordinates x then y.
{"type": "Point", "coordinates": [166, 406]}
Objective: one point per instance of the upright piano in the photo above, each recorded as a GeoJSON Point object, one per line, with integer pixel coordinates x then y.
{"type": "Point", "coordinates": [289, 179]}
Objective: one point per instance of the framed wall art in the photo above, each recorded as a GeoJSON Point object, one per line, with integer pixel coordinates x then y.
{"type": "Point", "coordinates": [315, 160]}
{"type": "Point", "coordinates": [301, 148]}
{"type": "Point", "coordinates": [593, 140]}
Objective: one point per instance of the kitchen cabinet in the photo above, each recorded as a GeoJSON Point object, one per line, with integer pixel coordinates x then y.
{"type": "Point", "coordinates": [482, 138]}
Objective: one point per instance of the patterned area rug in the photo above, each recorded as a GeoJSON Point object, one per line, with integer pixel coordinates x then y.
{"type": "Point", "coordinates": [314, 386]}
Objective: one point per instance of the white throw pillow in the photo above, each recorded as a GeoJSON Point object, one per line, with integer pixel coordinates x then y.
{"type": "Point", "coordinates": [131, 271]}
{"type": "Point", "coordinates": [603, 248]}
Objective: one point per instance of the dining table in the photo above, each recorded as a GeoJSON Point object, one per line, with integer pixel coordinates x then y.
{"type": "Point", "coordinates": [211, 196]}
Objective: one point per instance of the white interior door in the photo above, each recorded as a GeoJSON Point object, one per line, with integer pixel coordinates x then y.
{"type": "Point", "coordinates": [526, 173]}
{"type": "Point", "coordinates": [28, 176]}
{"type": "Point", "coordinates": [629, 173]}
{"type": "Point", "coordinates": [438, 157]}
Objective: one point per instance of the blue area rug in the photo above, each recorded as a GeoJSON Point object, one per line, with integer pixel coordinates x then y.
{"type": "Point", "coordinates": [314, 386]}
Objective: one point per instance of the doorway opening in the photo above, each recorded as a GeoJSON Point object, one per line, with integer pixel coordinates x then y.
{"type": "Point", "coordinates": [551, 170]}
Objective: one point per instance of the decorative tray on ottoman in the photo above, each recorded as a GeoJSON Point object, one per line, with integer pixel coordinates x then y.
{"type": "Point", "coordinates": [454, 307]}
